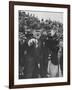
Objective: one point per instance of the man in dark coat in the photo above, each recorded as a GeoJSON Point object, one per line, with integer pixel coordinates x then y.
{"type": "Point", "coordinates": [52, 43]}
{"type": "Point", "coordinates": [36, 59]}
{"type": "Point", "coordinates": [44, 60]}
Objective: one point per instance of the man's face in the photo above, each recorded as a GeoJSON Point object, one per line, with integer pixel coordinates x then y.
{"type": "Point", "coordinates": [37, 35]}
{"type": "Point", "coordinates": [52, 32]}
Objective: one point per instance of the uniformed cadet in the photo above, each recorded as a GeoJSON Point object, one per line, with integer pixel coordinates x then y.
{"type": "Point", "coordinates": [51, 43]}
{"type": "Point", "coordinates": [44, 61]}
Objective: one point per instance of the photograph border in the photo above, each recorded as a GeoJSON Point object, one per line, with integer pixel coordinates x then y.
{"type": "Point", "coordinates": [11, 43]}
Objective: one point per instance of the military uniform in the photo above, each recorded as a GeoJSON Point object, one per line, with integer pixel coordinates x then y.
{"type": "Point", "coordinates": [52, 43]}
{"type": "Point", "coordinates": [44, 60]}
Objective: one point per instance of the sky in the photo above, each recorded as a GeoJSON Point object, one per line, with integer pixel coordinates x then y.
{"type": "Point", "coordinates": [54, 16]}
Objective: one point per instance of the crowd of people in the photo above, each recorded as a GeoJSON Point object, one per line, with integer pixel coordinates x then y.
{"type": "Point", "coordinates": [40, 47]}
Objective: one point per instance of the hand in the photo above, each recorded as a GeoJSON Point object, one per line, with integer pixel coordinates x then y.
{"type": "Point", "coordinates": [30, 42]}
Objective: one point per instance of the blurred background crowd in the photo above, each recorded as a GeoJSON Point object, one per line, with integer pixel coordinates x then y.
{"type": "Point", "coordinates": [28, 23]}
